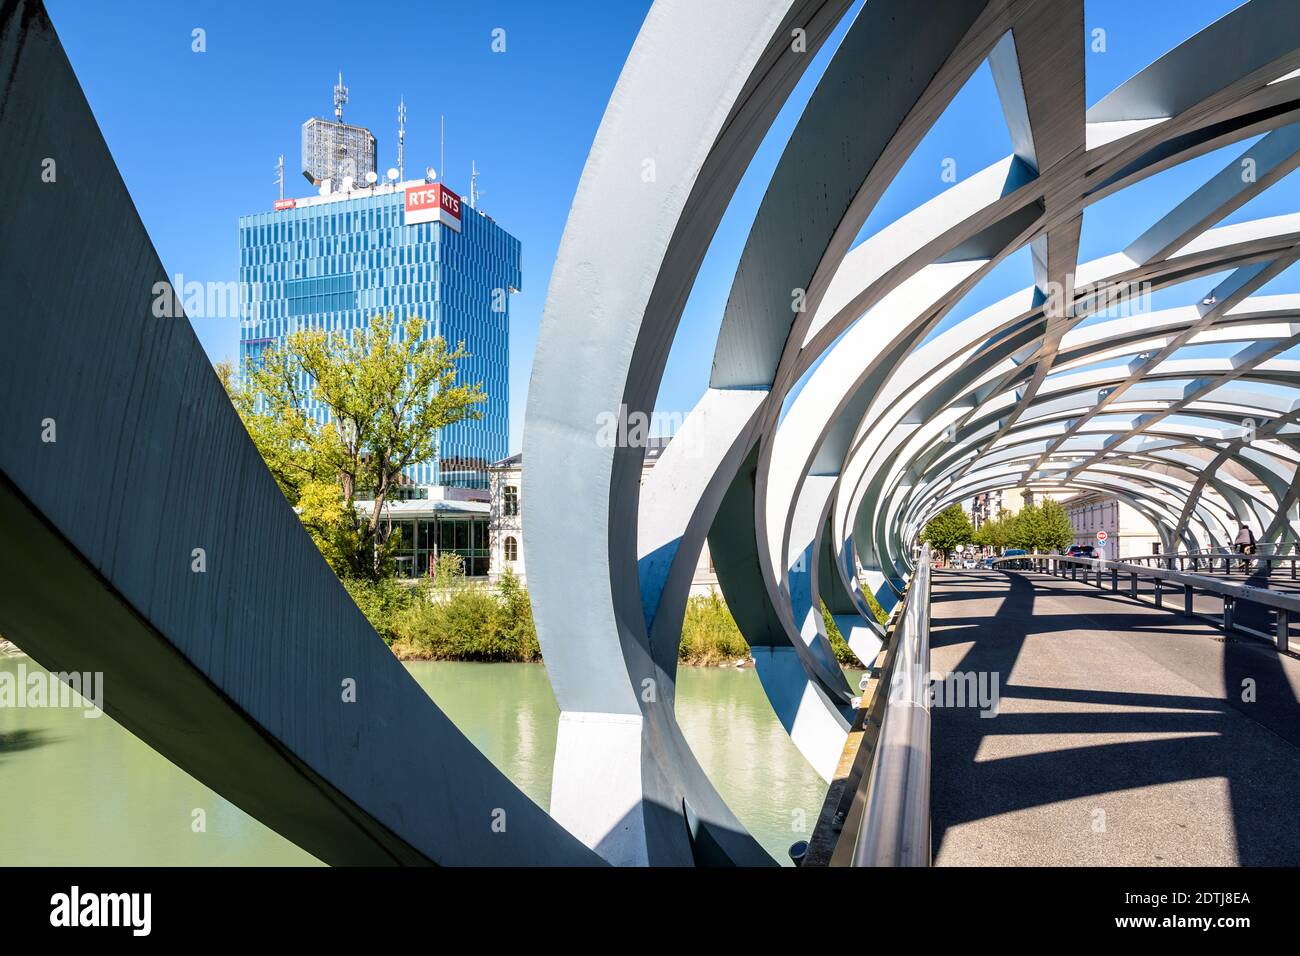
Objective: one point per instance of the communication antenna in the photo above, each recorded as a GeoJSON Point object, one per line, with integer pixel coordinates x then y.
{"type": "Point", "coordinates": [340, 97]}
{"type": "Point", "coordinates": [442, 142]}
{"type": "Point", "coordinates": [401, 138]}
{"type": "Point", "coordinates": [473, 184]}
{"type": "Point", "coordinates": [279, 174]}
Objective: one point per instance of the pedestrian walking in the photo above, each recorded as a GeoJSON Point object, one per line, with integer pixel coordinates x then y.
{"type": "Point", "coordinates": [1245, 544]}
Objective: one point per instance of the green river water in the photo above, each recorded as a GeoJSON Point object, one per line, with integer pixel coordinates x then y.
{"type": "Point", "coordinates": [85, 792]}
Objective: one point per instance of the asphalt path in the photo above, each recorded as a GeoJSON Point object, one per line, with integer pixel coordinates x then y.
{"type": "Point", "coordinates": [1124, 734]}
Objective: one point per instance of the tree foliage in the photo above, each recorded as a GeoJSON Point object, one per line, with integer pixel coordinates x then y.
{"type": "Point", "coordinates": [1043, 528]}
{"type": "Point", "coordinates": [995, 533]}
{"type": "Point", "coordinates": [949, 528]}
{"type": "Point", "coordinates": [386, 390]}
{"type": "Point", "coordinates": [1058, 532]}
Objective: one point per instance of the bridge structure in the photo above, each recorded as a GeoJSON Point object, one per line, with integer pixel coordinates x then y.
{"type": "Point", "coordinates": [850, 399]}
{"type": "Point", "coordinates": [846, 406]}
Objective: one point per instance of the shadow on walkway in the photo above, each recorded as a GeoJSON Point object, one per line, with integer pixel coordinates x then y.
{"type": "Point", "coordinates": [1185, 746]}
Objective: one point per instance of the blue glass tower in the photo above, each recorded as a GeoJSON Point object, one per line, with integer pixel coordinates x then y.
{"type": "Point", "coordinates": [334, 261]}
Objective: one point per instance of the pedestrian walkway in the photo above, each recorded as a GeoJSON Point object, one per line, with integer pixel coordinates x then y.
{"type": "Point", "coordinates": [1125, 734]}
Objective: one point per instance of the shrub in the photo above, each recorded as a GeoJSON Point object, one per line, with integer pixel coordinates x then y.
{"type": "Point", "coordinates": [465, 622]}
{"type": "Point", "coordinates": [843, 653]}
{"type": "Point", "coordinates": [380, 601]}
{"type": "Point", "coordinates": [447, 618]}
{"type": "Point", "coordinates": [882, 616]}
{"type": "Point", "coordinates": [517, 617]}
{"type": "Point", "coordinates": [709, 633]}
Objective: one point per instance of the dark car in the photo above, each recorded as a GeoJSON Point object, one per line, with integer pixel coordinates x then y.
{"type": "Point", "coordinates": [1081, 551]}
{"type": "Point", "coordinates": [1014, 553]}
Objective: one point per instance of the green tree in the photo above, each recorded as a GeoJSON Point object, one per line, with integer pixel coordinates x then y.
{"type": "Point", "coordinates": [387, 392]}
{"type": "Point", "coordinates": [1058, 532]}
{"type": "Point", "coordinates": [949, 528]}
{"type": "Point", "coordinates": [1026, 528]}
{"type": "Point", "coordinates": [1041, 527]}
{"type": "Point", "coordinates": [995, 533]}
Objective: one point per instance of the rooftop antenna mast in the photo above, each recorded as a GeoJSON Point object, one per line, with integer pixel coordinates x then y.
{"type": "Point", "coordinates": [473, 184]}
{"type": "Point", "coordinates": [340, 97]}
{"type": "Point", "coordinates": [442, 144]}
{"type": "Point", "coordinates": [401, 139]}
{"type": "Point", "coordinates": [279, 174]}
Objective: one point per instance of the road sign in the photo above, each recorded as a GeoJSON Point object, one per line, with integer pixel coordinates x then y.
{"type": "Point", "coordinates": [1101, 535]}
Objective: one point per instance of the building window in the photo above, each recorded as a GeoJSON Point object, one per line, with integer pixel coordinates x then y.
{"type": "Point", "coordinates": [511, 505]}
{"type": "Point", "coordinates": [512, 550]}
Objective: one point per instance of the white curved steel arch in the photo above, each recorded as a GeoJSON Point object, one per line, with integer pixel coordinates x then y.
{"type": "Point", "coordinates": [886, 426]}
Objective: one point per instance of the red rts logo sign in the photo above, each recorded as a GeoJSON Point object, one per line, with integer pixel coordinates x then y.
{"type": "Point", "coordinates": [435, 203]}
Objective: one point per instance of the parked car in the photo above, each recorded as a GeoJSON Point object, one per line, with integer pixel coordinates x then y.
{"type": "Point", "coordinates": [1013, 553]}
{"type": "Point", "coordinates": [1081, 551]}
{"type": "Point", "coordinates": [969, 564]}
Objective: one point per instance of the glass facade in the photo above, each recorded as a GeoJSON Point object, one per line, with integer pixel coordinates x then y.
{"type": "Point", "coordinates": [423, 539]}
{"type": "Point", "coordinates": [333, 265]}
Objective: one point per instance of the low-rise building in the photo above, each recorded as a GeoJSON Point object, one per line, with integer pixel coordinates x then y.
{"type": "Point", "coordinates": [1129, 533]}
{"type": "Point", "coordinates": [435, 520]}
{"type": "Point", "coordinates": [506, 528]}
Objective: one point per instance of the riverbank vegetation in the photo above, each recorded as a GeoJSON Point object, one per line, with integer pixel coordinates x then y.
{"type": "Point", "coordinates": [449, 618]}
{"type": "Point", "coordinates": [710, 634]}
{"type": "Point", "coordinates": [386, 392]}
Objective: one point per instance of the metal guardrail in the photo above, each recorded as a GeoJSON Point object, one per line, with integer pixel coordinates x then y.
{"type": "Point", "coordinates": [890, 816]}
{"type": "Point", "coordinates": [1285, 605]}
{"type": "Point", "coordinates": [1222, 560]}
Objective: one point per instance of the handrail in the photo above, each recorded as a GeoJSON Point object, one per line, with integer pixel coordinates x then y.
{"type": "Point", "coordinates": [1222, 557]}
{"type": "Point", "coordinates": [1219, 550]}
{"type": "Point", "coordinates": [1285, 604]}
{"type": "Point", "coordinates": [894, 823]}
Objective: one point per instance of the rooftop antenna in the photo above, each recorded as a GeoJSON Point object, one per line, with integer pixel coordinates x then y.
{"type": "Point", "coordinates": [473, 184]}
{"type": "Point", "coordinates": [442, 142]}
{"type": "Point", "coordinates": [401, 138]}
{"type": "Point", "coordinates": [340, 97]}
{"type": "Point", "coordinates": [279, 174]}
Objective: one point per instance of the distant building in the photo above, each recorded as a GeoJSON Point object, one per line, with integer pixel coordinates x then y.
{"type": "Point", "coordinates": [411, 248]}
{"type": "Point", "coordinates": [434, 521]}
{"type": "Point", "coordinates": [1039, 498]}
{"type": "Point", "coordinates": [1128, 533]}
{"type": "Point", "coordinates": [509, 499]}
{"type": "Point", "coordinates": [506, 531]}
{"type": "Point", "coordinates": [988, 505]}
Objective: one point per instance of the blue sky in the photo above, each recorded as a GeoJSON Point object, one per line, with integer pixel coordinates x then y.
{"type": "Point", "coordinates": [196, 135]}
